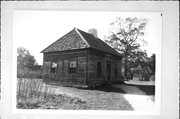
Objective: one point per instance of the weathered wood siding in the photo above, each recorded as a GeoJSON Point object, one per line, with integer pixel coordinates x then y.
{"type": "Point", "coordinates": [116, 65]}
{"type": "Point", "coordinates": [96, 56]}
{"type": "Point", "coordinates": [63, 59]}
{"type": "Point", "coordinates": [60, 69]}
{"type": "Point", "coordinates": [87, 72]}
{"type": "Point", "coordinates": [95, 78]}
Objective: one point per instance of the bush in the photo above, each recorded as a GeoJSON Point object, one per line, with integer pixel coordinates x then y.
{"type": "Point", "coordinates": [152, 78]}
{"type": "Point", "coordinates": [27, 73]}
{"type": "Point", "coordinates": [33, 94]}
{"type": "Point", "coordinates": [27, 88]}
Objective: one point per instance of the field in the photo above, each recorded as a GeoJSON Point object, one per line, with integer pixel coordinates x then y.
{"type": "Point", "coordinates": [35, 94]}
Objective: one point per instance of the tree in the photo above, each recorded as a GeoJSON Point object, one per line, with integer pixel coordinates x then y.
{"type": "Point", "coordinates": [126, 36]}
{"type": "Point", "coordinates": [143, 63]}
{"type": "Point", "coordinates": [25, 60]}
{"type": "Point", "coordinates": [152, 63]}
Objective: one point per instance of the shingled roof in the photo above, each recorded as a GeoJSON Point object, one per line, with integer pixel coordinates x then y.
{"type": "Point", "coordinates": [78, 39]}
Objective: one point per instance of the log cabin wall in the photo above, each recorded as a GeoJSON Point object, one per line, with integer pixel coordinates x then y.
{"type": "Point", "coordinates": [116, 70]}
{"type": "Point", "coordinates": [90, 67]}
{"type": "Point", "coordinates": [63, 71]}
{"type": "Point", "coordinates": [98, 69]}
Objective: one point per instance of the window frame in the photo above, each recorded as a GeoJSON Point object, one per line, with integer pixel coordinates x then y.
{"type": "Point", "coordinates": [54, 69]}
{"type": "Point", "coordinates": [72, 69]}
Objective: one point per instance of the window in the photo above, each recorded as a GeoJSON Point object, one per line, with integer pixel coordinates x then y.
{"type": "Point", "coordinates": [72, 67]}
{"type": "Point", "coordinates": [98, 69]}
{"type": "Point", "coordinates": [72, 64]}
{"type": "Point", "coordinates": [53, 67]}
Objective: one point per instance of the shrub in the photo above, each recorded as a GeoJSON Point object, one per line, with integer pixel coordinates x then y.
{"type": "Point", "coordinates": [27, 73]}
{"type": "Point", "coordinates": [27, 88]}
{"type": "Point", "coordinates": [33, 94]}
{"type": "Point", "coordinates": [152, 78]}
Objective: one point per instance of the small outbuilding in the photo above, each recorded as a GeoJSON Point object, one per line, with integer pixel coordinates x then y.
{"type": "Point", "coordinates": [81, 59]}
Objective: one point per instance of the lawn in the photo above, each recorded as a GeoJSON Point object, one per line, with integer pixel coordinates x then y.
{"type": "Point", "coordinates": [51, 101]}
{"type": "Point", "coordinates": [35, 94]}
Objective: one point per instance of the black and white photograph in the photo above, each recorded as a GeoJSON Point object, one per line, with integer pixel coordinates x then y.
{"type": "Point", "coordinates": [81, 60]}
{"type": "Point", "coordinates": [89, 59]}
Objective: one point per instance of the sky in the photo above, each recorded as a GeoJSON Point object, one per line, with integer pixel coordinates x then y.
{"type": "Point", "coordinates": [36, 30]}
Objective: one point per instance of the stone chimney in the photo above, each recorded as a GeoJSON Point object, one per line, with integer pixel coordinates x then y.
{"type": "Point", "coordinates": [93, 32]}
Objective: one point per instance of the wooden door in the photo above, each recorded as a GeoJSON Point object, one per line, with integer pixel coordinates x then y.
{"type": "Point", "coordinates": [108, 70]}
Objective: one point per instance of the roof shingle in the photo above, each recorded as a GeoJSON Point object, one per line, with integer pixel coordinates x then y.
{"type": "Point", "coordinates": [78, 39]}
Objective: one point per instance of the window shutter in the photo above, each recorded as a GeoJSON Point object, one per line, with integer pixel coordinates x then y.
{"type": "Point", "coordinates": [66, 67]}
{"type": "Point", "coordinates": [46, 69]}
{"type": "Point", "coordinates": [60, 68]}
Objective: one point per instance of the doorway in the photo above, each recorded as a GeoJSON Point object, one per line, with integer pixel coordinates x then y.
{"type": "Point", "coordinates": [108, 70]}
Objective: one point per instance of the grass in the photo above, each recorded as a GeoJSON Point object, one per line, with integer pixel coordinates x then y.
{"type": "Point", "coordinates": [148, 87]}
{"type": "Point", "coordinates": [145, 83]}
{"type": "Point", "coordinates": [35, 94]}
{"type": "Point", "coordinates": [51, 101]}
{"type": "Point", "coordinates": [100, 98]}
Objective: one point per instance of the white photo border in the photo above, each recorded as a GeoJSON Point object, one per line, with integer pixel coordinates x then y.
{"type": "Point", "coordinates": [9, 58]}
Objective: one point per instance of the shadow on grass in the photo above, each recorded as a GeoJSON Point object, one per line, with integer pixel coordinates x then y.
{"type": "Point", "coordinates": [105, 88]}
{"type": "Point", "coordinates": [147, 89]}
{"type": "Point", "coordinates": [144, 89]}
{"type": "Point", "coordinates": [104, 92]}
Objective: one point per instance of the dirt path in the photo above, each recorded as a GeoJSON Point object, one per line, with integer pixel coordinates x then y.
{"type": "Point", "coordinates": [140, 102]}
{"type": "Point", "coordinates": [137, 98]}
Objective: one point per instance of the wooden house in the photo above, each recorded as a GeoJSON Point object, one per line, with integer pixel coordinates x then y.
{"type": "Point", "coordinates": [81, 59]}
